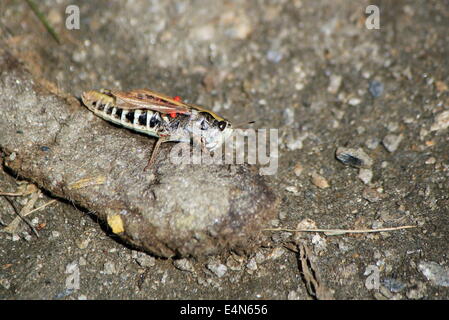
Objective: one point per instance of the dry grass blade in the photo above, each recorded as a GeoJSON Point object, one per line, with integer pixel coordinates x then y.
{"type": "Point", "coordinates": [86, 182]}
{"type": "Point", "coordinates": [43, 20]}
{"type": "Point", "coordinates": [41, 207]}
{"type": "Point", "coordinates": [334, 232]}
{"type": "Point", "coordinates": [11, 194]}
{"type": "Point", "coordinates": [22, 190]}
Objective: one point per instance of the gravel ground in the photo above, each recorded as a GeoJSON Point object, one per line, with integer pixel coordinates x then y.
{"type": "Point", "coordinates": [363, 118]}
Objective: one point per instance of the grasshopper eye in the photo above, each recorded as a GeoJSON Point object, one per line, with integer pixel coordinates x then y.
{"type": "Point", "coordinates": [204, 125]}
{"type": "Point", "coordinates": [222, 125]}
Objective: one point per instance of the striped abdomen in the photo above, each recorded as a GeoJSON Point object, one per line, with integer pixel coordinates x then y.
{"type": "Point", "coordinates": [142, 120]}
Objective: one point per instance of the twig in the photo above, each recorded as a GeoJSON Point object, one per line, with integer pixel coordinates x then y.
{"type": "Point", "coordinates": [43, 20]}
{"type": "Point", "coordinates": [340, 231]}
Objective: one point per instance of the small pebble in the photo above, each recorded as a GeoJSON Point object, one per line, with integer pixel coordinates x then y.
{"type": "Point", "coordinates": [252, 264]}
{"type": "Point", "coordinates": [241, 29]}
{"type": "Point", "coordinates": [393, 285]}
{"type": "Point", "coordinates": [260, 257]}
{"type": "Point", "coordinates": [423, 133]}
{"type": "Point", "coordinates": [82, 243]}
{"type": "Point", "coordinates": [408, 120]}
{"type": "Point", "coordinates": [376, 88]}
{"type": "Point", "coordinates": [274, 56]}
{"type": "Point", "coordinates": [372, 143]}
{"type": "Point", "coordinates": [417, 293]}
{"type": "Point", "coordinates": [5, 283]}
{"type": "Point", "coordinates": [435, 273]}
{"type": "Point", "coordinates": [441, 121]}
{"type": "Point", "coordinates": [371, 195]}
{"type": "Point", "coordinates": [183, 265]}
{"type": "Point", "coordinates": [393, 126]}
{"type": "Point", "coordinates": [319, 243]}
{"type": "Point", "coordinates": [319, 181]}
{"type": "Point", "coordinates": [377, 225]}
{"type": "Point", "coordinates": [276, 253]}
{"type": "Point", "coordinates": [391, 142]}
{"type": "Point", "coordinates": [353, 157]}
{"type": "Point", "coordinates": [27, 236]}
{"type": "Point", "coordinates": [298, 169]}
{"type": "Point", "coordinates": [205, 32]}
{"type": "Point", "coordinates": [289, 116]}
{"type": "Point", "coordinates": [431, 160]}
{"type": "Point", "coordinates": [109, 268]}
{"type": "Point", "coordinates": [235, 262]}
{"type": "Point", "coordinates": [145, 260]}
{"type": "Point", "coordinates": [441, 86]}
{"type": "Point", "coordinates": [217, 268]}
{"type": "Point", "coordinates": [299, 86]}
{"type": "Point", "coordinates": [306, 224]}
{"type": "Point", "coordinates": [295, 143]}
{"type": "Point", "coordinates": [82, 261]}
{"type": "Point", "coordinates": [292, 189]}
{"type": "Point", "coordinates": [366, 175]}
{"type": "Point", "coordinates": [354, 101]}
{"type": "Point", "coordinates": [385, 292]}
{"type": "Point", "coordinates": [334, 83]}
{"type": "Point", "coordinates": [79, 56]}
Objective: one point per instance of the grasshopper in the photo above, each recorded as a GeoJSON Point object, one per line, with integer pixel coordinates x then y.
{"type": "Point", "coordinates": [159, 116]}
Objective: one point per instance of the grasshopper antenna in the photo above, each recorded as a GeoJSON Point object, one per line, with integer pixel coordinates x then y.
{"type": "Point", "coordinates": [244, 123]}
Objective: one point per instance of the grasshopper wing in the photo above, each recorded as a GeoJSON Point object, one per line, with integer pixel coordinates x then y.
{"type": "Point", "coordinates": [146, 99]}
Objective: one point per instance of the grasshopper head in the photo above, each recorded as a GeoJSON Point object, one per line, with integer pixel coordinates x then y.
{"type": "Point", "coordinates": [212, 130]}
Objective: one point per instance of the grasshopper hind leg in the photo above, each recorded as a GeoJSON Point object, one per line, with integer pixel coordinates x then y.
{"type": "Point", "coordinates": [154, 153]}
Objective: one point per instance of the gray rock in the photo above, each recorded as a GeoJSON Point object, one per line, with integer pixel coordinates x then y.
{"type": "Point", "coordinates": [217, 268]}
{"type": "Point", "coordinates": [376, 88]}
{"type": "Point", "coordinates": [184, 265]}
{"type": "Point", "coordinates": [391, 142]}
{"type": "Point", "coordinates": [441, 121]}
{"type": "Point", "coordinates": [435, 273]}
{"type": "Point", "coordinates": [109, 268]}
{"type": "Point", "coordinates": [334, 83]}
{"type": "Point", "coordinates": [169, 210]}
{"type": "Point", "coordinates": [372, 143]}
{"type": "Point", "coordinates": [394, 285]}
{"type": "Point", "coordinates": [353, 157]}
{"type": "Point", "coordinates": [144, 260]}
{"type": "Point", "coordinates": [366, 175]}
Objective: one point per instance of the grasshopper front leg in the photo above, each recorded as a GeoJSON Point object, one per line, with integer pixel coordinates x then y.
{"type": "Point", "coordinates": [155, 152]}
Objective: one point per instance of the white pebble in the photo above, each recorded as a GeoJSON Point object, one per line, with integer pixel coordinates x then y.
{"type": "Point", "coordinates": [218, 269]}
{"type": "Point", "coordinates": [365, 175]}
{"type": "Point", "coordinates": [391, 142]}
{"type": "Point", "coordinates": [441, 121]}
